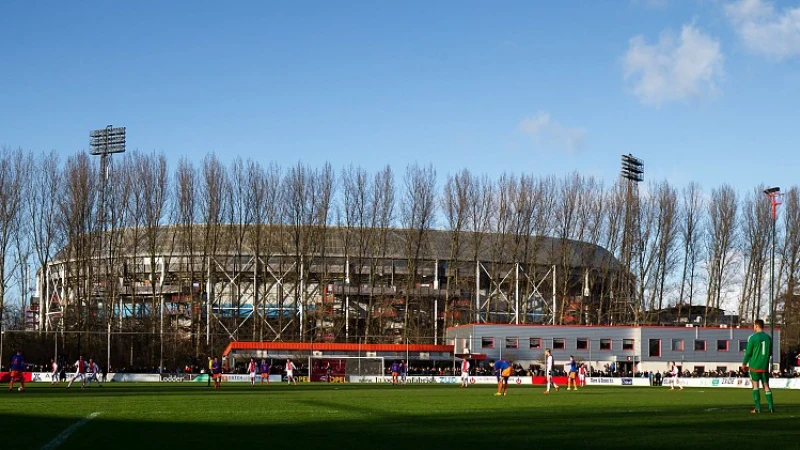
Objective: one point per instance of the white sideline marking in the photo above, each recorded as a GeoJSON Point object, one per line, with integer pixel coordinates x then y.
{"type": "Point", "coordinates": [68, 432]}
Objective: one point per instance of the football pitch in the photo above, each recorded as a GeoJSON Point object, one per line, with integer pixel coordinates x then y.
{"type": "Point", "coordinates": [362, 416]}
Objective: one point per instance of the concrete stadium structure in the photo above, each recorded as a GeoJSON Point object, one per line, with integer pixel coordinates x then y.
{"type": "Point", "coordinates": [325, 284]}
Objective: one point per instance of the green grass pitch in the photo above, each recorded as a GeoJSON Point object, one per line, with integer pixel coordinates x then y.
{"type": "Point", "coordinates": [358, 416]}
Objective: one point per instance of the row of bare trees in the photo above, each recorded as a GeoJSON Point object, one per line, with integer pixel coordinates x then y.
{"type": "Point", "coordinates": [683, 246]}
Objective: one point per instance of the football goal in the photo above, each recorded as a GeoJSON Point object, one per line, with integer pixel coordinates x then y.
{"type": "Point", "coordinates": [339, 368]}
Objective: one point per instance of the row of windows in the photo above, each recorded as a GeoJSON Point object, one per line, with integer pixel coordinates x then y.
{"type": "Point", "coordinates": [558, 343]}
{"type": "Point", "coordinates": [535, 343]}
{"type": "Point", "coordinates": [723, 345]}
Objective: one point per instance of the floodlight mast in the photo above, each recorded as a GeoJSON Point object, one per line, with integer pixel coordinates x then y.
{"type": "Point", "coordinates": [633, 172]}
{"type": "Point", "coordinates": [104, 143]}
{"type": "Point", "coordinates": [774, 195]}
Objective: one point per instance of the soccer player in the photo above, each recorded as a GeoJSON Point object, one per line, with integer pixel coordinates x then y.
{"type": "Point", "coordinates": [53, 371]}
{"type": "Point", "coordinates": [550, 371]}
{"type": "Point", "coordinates": [757, 357]}
{"type": "Point", "coordinates": [216, 373]}
{"type": "Point", "coordinates": [290, 368]}
{"type": "Point", "coordinates": [251, 369]}
{"type": "Point", "coordinates": [80, 372]}
{"type": "Point", "coordinates": [17, 371]}
{"type": "Point", "coordinates": [210, 375]}
{"type": "Point", "coordinates": [329, 372]}
{"type": "Point", "coordinates": [572, 373]}
{"type": "Point", "coordinates": [503, 371]}
{"type": "Point", "coordinates": [464, 373]}
{"type": "Point", "coordinates": [673, 379]}
{"type": "Point", "coordinates": [264, 371]}
{"type": "Point", "coordinates": [91, 373]}
{"type": "Point", "coordinates": [403, 371]}
{"type": "Point", "coordinates": [395, 370]}
{"type": "Point", "coordinates": [582, 375]}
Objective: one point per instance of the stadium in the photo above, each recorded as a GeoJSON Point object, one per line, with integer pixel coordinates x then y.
{"type": "Point", "coordinates": [217, 284]}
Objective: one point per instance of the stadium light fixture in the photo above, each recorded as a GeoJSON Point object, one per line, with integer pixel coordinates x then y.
{"type": "Point", "coordinates": [107, 140]}
{"type": "Point", "coordinates": [632, 168]}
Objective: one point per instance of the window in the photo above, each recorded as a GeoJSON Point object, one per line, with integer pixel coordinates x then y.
{"type": "Point", "coordinates": [605, 344]}
{"type": "Point", "coordinates": [582, 344]}
{"type": "Point", "coordinates": [699, 370]}
{"type": "Point", "coordinates": [722, 345]}
{"type": "Point", "coordinates": [487, 342]}
{"type": "Point", "coordinates": [699, 345]}
{"type": "Point", "coordinates": [536, 342]}
{"type": "Point", "coordinates": [722, 369]}
{"type": "Point", "coordinates": [512, 342]}
{"type": "Point", "coordinates": [627, 344]}
{"type": "Point", "coordinates": [559, 343]}
{"type": "Point", "coordinates": [655, 348]}
{"type": "Point", "coordinates": [742, 346]}
{"type": "Point", "coordinates": [677, 345]}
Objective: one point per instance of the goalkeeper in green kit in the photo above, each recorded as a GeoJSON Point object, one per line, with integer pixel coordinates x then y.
{"type": "Point", "coordinates": [757, 357]}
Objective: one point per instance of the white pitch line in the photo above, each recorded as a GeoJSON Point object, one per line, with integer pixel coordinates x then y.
{"type": "Point", "coordinates": [68, 432]}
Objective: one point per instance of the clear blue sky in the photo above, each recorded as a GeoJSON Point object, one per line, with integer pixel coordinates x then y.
{"type": "Point", "coordinates": [704, 90]}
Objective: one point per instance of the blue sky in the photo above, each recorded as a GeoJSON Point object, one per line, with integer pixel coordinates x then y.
{"type": "Point", "coordinates": [702, 90]}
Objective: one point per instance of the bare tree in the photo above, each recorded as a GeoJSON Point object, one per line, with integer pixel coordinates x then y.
{"type": "Point", "coordinates": [213, 208]}
{"type": "Point", "coordinates": [755, 250]}
{"type": "Point", "coordinates": [44, 186]}
{"type": "Point", "coordinates": [665, 240]}
{"type": "Point", "coordinates": [382, 214]}
{"type": "Point", "coordinates": [184, 218]}
{"type": "Point", "coordinates": [456, 210]}
{"type": "Point", "coordinates": [721, 245]}
{"type": "Point", "coordinates": [11, 186]}
{"type": "Point", "coordinates": [690, 239]}
{"type": "Point", "coordinates": [151, 171]}
{"type": "Point", "coordinates": [78, 211]}
{"type": "Point", "coordinates": [270, 207]}
{"type": "Point", "coordinates": [480, 198]}
{"type": "Point", "coordinates": [417, 213]}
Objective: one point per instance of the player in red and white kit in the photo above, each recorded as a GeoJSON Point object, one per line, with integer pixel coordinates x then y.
{"type": "Point", "coordinates": [290, 368]}
{"type": "Point", "coordinates": [464, 373]}
{"type": "Point", "coordinates": [251, 369]}
{"type": "Point", "coordinates": [582, 375]}
{"type": "Point", "coordinates": [91, 373]}
{"type": "Point", "coordinates": [673, 379]}
{"type": "Point", "coordinates": [53, 372]}
{"type": "Point", "coordinates": [80, 372]}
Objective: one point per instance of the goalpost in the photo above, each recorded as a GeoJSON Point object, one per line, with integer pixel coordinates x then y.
{"type": "Point", "coordinates": [344, 367]}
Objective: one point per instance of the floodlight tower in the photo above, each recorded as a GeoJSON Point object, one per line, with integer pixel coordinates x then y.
{"type": "Point", "coordinates": [633, 172]}
{"type": "Point", "coordinates": [774, 195]}
{"type": "Point", "coordinates": [105, 142]}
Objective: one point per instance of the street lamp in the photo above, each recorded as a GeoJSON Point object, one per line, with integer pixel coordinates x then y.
{"type": "Point", "coordinates": [773, 194]}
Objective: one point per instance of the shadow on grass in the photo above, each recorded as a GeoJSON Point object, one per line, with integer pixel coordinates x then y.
{"type": "Point", "coordinates": [357, 417]}
{"type": "Point", "coordinates": [668, 430]}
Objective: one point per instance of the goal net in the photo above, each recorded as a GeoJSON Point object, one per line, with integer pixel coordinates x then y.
{"type": "Point", "coordinates": [339, 368]}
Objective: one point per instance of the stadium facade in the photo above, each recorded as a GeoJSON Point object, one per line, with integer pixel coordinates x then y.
{"type": "Point", "coordinates": [325, 284]}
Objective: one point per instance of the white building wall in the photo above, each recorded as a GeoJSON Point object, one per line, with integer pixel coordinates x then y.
{"type": "Point", "coordinates": [625, 346]}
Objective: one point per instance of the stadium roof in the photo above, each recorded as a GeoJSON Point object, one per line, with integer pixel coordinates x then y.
{"type": "Point", "coordinates": [392, 243]}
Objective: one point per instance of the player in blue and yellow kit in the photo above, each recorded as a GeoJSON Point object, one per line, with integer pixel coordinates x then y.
{"type": "Point", "coordinates": [503, 371]}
